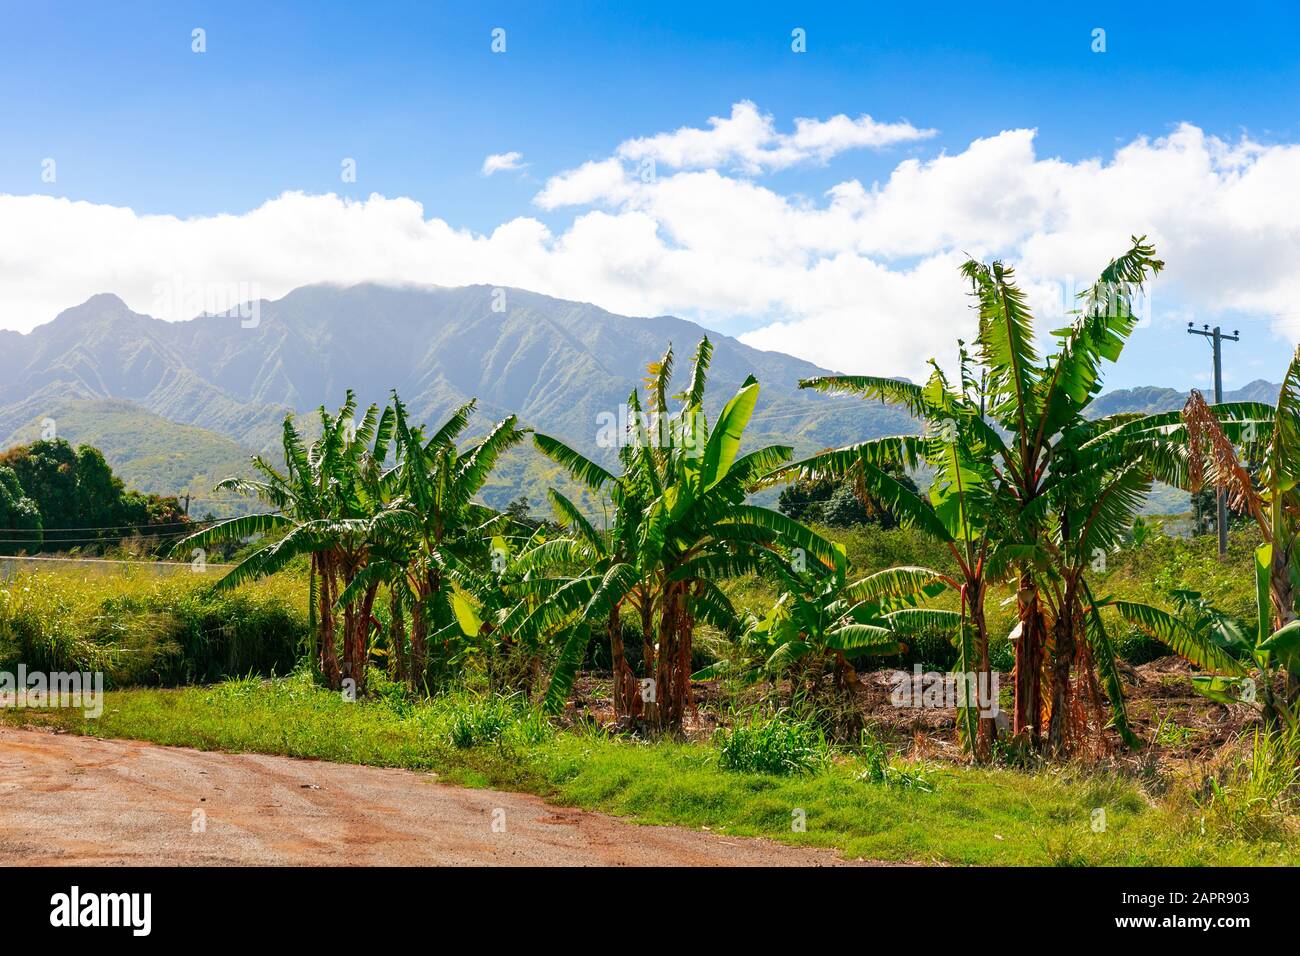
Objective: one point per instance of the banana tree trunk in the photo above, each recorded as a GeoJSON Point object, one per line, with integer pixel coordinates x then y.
{"type": "Point", "coordinates": [356, 639]}
{"type": "Point", "coordinates": [649, 661]}
{"type": "Point", "coordinates": [396, 637]}
{"type": "Point", "coordinates": [1064, 648]}
{"type": "Point", "coordinates": [329, 661]}
{"type": "Point", "coordinates": [672, 684]}
{"type": "Point", "coordinates": [627, 696]}
{"type": "Point", "coordinates": [987, 729]}
{"type": "Point", "coordinates": [419, 643]}
{"type": "Point", "coordinates": [1029, 661]}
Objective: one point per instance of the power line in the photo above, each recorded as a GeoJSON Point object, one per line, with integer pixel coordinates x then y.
{"type": "Point", "coordinates": [127, 527]}
{"type": "Point", "coordinates": [101, 539]}
{"type": "Point", "coordinates": [177, 565]}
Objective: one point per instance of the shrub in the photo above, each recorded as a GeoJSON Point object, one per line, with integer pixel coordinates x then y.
{"type": "Point", "coordinates": [474, 721]}
{"type": "Point", "coordinates": [878, 766]}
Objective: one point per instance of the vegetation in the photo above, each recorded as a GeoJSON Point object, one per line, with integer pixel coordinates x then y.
{"type": "Point", "coordinates": [80, 503]}
{"type": "Point", "coordinates": [140, 628]}
{"type": "Point", "coordinates": [839, 502]}
{"type": "Point", "coordinates": [18, 513]}
{"type": "Point", "coordinates": [147, 451]}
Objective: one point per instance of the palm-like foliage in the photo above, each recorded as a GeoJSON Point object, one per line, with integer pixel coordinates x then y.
{"type": "Point", "coordinates": [1064, 495]}
{"type": "Point", "coordinates": [681, 523]}
{"type": "Point", "coordinates": [961, 449]}
{"type": "Point", "coordinates": [327, 509]}
{"type": "Point", "coordinates": [823, 619]}
{"type": "Point", "coordinates": [1270, 436]}
{"type": "Point", "coordinates": [435, 531]}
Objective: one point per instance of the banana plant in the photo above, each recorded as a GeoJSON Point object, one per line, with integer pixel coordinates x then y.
{"type": "Point", "coordinates": [326, 508]}
{"type": "Point", "coordinates": [1041, 404]}
{"type": "Point", "coordinates": [682, 524]}
{"type": "Point", "coordinates": [1220, 439]}
{"type": "Point", "coordinates": [433, 529]}
{"type": "Point", "coordinates": [823, 620]}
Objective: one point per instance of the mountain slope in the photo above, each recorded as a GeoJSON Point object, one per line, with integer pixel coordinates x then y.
{"type": "Point", "coordinates": [147, 452]}
{"type": "Point", "coordinates": [558, 365]}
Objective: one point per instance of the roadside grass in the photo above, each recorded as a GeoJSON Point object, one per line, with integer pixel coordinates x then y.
{"type": "Point", "coordinates": [962, 816]}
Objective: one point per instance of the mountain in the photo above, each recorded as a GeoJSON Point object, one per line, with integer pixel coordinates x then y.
{"type": "Point", "coordinates": [176, 404]}
{"type": "Point", "coordinates": [1149, 399]}
{"type": "Point", "coordinates": [558, 365]}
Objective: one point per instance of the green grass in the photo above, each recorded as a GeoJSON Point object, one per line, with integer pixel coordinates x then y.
{"type": "Point", "coordinates": [779, 745]}
{"type": "Point", "coordinates": [961, 816]}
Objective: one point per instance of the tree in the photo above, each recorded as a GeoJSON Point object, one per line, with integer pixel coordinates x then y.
{"type": "Point", "coordinates": [20, 518]}
{"type": "Point", "coordinates": [81, 502]}
{"type": "Point", "coordinates": [327, 509]}
{"type": "Point", "coordinates": [682, 524]}
{"type": "Point", "coordinates": [436, 529]}
{"type": "Point", "coordinates": [1041, 404]}
{"type": "Point", "coordinates": [839, 503]}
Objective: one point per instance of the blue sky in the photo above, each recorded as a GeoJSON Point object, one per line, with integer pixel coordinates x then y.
{"type": "Point", "coordinates": [414, 94]}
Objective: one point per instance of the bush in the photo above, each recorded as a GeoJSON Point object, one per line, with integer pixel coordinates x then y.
{"type": "Point", "coordinates": [780, 746]}
{"type": "Point", "coordinates": [878, 766]}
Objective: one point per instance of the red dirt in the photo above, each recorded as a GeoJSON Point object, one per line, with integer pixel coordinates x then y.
{"type": "Point", "coordinates": [67, 800]}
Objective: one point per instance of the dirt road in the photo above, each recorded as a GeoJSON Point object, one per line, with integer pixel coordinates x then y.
{"type": "Point", "coordinates": [79, 801]}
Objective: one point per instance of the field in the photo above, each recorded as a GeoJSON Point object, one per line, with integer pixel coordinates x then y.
{"type": "Point", "coordinates": [751, 764]}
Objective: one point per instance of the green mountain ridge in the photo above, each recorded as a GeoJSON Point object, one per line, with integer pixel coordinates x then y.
{"type": "Point", "coordinates": [176, 405]}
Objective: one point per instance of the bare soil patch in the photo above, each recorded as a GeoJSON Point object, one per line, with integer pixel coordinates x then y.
{"type": "Point", "coordinates": [68, 800]}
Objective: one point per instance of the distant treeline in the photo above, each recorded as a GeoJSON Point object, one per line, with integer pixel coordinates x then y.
{"type": "Point", "coordinates": [57, 498]}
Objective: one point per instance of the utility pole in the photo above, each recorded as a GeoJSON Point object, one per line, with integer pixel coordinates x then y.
{"type": "Point", "coordinates": [1217, 337]}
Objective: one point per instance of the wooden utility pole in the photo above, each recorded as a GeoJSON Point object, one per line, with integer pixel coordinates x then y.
{"type": "Point", "coordinates": [1217, 337]}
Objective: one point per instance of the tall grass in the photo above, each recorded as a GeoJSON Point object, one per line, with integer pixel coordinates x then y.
{"type": "Point", "coordinates": [780, 745]}
{"type": "Point", "coordinates": [1254, 794]}
{"type": "Point", "coordinates": [141, 629]}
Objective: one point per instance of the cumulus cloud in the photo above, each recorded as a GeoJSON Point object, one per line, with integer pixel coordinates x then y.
{"type": "Point", "coordinates": [748, 140]}
{"type": "Point", "coordinates": [503, 162]}
{"type": "Point", "coordinates": [861, 279]}
{"type": "Point", "coordinates": [604, 181]}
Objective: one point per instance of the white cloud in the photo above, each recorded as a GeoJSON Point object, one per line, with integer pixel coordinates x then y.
{"type": "Point", "coordinates": [503, 162]}
{"type": "Point", "coordinates": [605, 182]}
{"type": "Point", "coordinates": [748, 141]}
{"type": "Point", "coordinates": [862, 279]}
